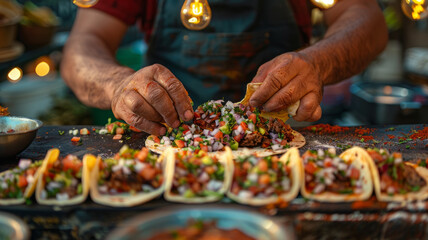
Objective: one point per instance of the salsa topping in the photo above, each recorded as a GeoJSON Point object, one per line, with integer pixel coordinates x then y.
{"type": "Point", "coordinates": [326, 172]}
{"type": "Point", "coordinates": [197, 175]}
{"type": "Point", "coordinates": [260, 177]}
{"type": "Point", "coordinates": [130, 171]}
{"type": "Point", "coordinates": [395, 176]}
{"type": "Point", "coordinates": [63, 179]}
{"type": "Point", "coordinates": [216, 125]}
{"type": "Point", "coordinates": [13, 183]}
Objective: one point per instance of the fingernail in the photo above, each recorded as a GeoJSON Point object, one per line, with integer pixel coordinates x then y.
{"type": "Point", "coordinates": [162, 131]}
{"type": "Point", "coordinates": [254, 103]}
{"type": "Point", "coordinates": [188, 115]}
{"type": "Point", "coordinates": [176, 124]}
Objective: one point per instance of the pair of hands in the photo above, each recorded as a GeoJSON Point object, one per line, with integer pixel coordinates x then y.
{"type": "Point", "coordinates": [153, 94]}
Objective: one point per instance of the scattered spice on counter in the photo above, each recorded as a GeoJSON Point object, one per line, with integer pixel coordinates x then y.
{"type": "Point", "coordinates": [326, 128]}
{"type": "Point", "coordinates": [420, 134]}
{"type": "Point", "coordinates": [366, 138]}
{"type": "Point", "coordinates": [363, 131]}
{"type": "Point", "coordinates": [391, 136]}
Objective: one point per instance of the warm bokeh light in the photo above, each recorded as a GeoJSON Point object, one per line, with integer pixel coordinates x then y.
{"type": "Point", "coordinates": [85, 3]}
{"type": "Point", "coordinates": [15, 74]}
{"type": "Point", "coordinates": [195, 14]}
{"type": "Point", "coordinates": [42, 69]}
{"type": "Point", "coordinates": [324, 4]}
{"type": "Point", "coordinates": [415, 9]}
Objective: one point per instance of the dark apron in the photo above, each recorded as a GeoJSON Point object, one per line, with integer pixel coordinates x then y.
{"type": "Point", "coordinates": [218, 61]}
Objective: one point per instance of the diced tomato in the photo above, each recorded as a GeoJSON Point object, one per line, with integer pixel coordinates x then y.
{"type": "Point", "coordinates": [238, 138]}
{"type": "Point", "coordinates": [263, 166]}
{"type": "Point", "coordinates": [142, 154]}
{"type": "Point", "coordinates": [75, 139]}
{"type": "Point", "coordinates": [197, 115]}
{"type": "Point", "coordinates": [198, 139]}
{"type": "Point", "coordinates": [266, 142]}
{"type": "Point", "coordinates": [218, 135]}
{"type": "Point", "coordinates": [155, 139]}
{"type": "Point", "coordinates": [185, 126]}
{"type": "Point", "coordinates": [148, 173]}
{"type": "Point", "coordinates": [244, 126]}
{"type": "Point", "coordinates": [22, 181]}
{"type": "Point", "coordinates": [180, 143]}
{"type": "Point", "coordinates": [264, 179]}
{"type": "Point", "coordinates": [134, 129]}
{"type": "Point", "coordinates": [253, 117]}
{"type": "Point", "coordinates": [84, 131]}
{"type": "Point", "coordinates": [355, 173]}
{"type": "Point", "coordinates": [126, 155]}
{"type": "Point", "coordinates": [110, 127]}
{"type": "Point", "coordinates": [328, 163]}
{"type": "Point", "coordinates": [203, 147]}
{"type": "Point", "coordinates": [120, 130]}
{"type": "Point", "coordinates": [70, 163]}
{"type": "Point", "coordinates": [377, 157]}
{"type": "Point", "coordinates": [196, 187]}
{"type": "Point", "coordinates": [235, 127]}
{"type": "Point", "coordinates": [310, 168]}
{"type": "Point", "coordinates": [246, 165]}
{"type": "Point", "coordinates": [31, 171]}
{"type": "Point", "coordinates": [209, 170]}
{"type": "Point", "coordinates": [117, 137]}
{"type": "Point", "coordinates": [185, 131]}
{"type": "Point", "coordinates": [222, 123]}
{"type": "Point", "coordinates": [254, 189]}
{"type": "Point", "coordinates": [283, 142]}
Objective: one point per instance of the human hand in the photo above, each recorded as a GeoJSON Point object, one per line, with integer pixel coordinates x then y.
{"type": "Point", "coordinates": [151, 96]}
{"type": "Point", "coordinates": [286, 79]}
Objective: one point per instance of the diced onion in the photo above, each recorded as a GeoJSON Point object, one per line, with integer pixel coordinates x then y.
{"type": "Point", "coordinates": [276, 147]}
{"type": "Point", "coordinates": [62, 196]}
{"type": "Point", "coordinates": [24, 163]}
{"type": "Point", "coordinates": [319, 188]}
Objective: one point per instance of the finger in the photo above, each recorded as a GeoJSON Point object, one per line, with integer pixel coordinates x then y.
{"type": "Point", "coordinates": [138, 105]}
{"type": "Point", "coordinates": [316, 115]}
{"type": "Point", "coordinates": [287, 95]}
{"type": "Point", "coordinates": [262, 72]}
{"type": "Point", "coordinates": [274, 81]}
{"type": "Point", "coordinates": [140, 122]}
{"type": "Point", "coordinates": [157, 97]}
{"type": "Point", "coordinates": [308, 105]}
{"type": "Point", "coordinates": [176, 91]}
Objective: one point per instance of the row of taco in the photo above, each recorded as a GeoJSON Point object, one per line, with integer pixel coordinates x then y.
{"type": "Point", "coordinates": [133, 177]}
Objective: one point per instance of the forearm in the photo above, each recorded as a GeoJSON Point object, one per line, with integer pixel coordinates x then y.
{"type": "Point", "coordinates": [355, 37]}
{"type": "Point", "coordinates": [91, 71]}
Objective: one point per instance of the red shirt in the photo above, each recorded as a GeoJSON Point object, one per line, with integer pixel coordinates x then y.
{"type": "Point", "coordinates": [143, 12]}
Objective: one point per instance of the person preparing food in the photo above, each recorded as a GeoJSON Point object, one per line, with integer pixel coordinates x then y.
{"type": "Point", "coordinates": [247, 40]}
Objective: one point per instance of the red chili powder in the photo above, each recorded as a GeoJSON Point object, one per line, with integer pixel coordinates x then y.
{"type": "Point", "coordinates": [420, 134]}
{"type": "Point", "coordinates": [391, 136]}
{"type": "Point", "coordinates": [362, 131]}
{"type": "Point", "coordinates": [326, 128]}
{"type": "Point", "coordinates": [367, 138]}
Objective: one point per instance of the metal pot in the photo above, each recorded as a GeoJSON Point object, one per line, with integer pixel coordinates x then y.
{"type": "Point", "coordinates": [381, 103]}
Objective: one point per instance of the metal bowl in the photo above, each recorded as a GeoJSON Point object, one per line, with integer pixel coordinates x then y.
{"type": "Point", "coordinates": [25, 131]}
{"type": "Point", "coordinates": [245, 219]}
{"type": "Point", "coordinates": [12, 227]}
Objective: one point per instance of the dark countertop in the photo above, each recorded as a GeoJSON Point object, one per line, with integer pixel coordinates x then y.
{"type": "Point", "coordinates": [312, 219]}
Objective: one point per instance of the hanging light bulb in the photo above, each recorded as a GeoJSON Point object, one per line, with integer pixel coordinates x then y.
{"type": "Point", "coordinates": [324, 4]}
{"type": "Point", "coordinates": [85, 3]}
{"type": "Point", "coordinates": [195, 14]}
{"type": "Point", "coordinates": [415, 9]}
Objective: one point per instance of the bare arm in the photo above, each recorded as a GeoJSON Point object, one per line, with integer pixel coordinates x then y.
{"type": "Point", "coordinates": [357, 33]}
{"type": "Point", "coordinates": [144, 99]}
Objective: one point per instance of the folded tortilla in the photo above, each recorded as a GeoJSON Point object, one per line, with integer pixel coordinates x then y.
{"type": "Point", "coordinates": [292, 157]}
{"type": "Point", "coordinates": [420, 195]}
{"type": "Point", "coordinates": [225, 158]}
{"type": "Point", "coordinates": [121, 199]}
{"type": "Point", "coordinates": [88, 163]}
{"type": "Point", "coordinates": [349, 155]}
{"type": "Point", "coordinates": [53, 153]}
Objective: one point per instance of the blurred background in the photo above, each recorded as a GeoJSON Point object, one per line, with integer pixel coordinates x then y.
{"type": "Point", "coordinates": [392, 90]}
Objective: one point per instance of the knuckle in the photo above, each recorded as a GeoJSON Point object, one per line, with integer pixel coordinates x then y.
{"type": "Point", "coordinates": [285, 98]}
{"type": "Point", "coordinates": [275, 80]}
{"type": "Point", "coordinates": [156, 95]}
{"type": "Point", "coordinates": [156, 67]}
{"type": "Point", "coordinates": [133, 103]}
{"type": "Point", "coordinates": [175, 87]}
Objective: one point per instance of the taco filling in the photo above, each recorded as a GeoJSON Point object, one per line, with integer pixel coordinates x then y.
{"type": "Point", "coordinates": [63, 179]}
{"type": "Point", "coordinates": [326, 172]}
{"type": "Point", "coordinates": [216, 125]}
{"type": "Point", "coordinates": [130, 171]}
{"type": "Point", "coordinates": [14, 182]}
{"type": "Point", "coordinates": [260, 177]}
{"type": "Point", "coordinates": [396, 177]}
{"type": "Point", "coordinates": [197, 175]}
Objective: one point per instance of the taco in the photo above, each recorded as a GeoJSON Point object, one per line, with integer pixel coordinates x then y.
{"type": "Point", "coordinates": [217, 125]}
{"type": "Point", "coordinates": [64, 181]}
{"type": "Point", "coordinates": [331, 178]}
{"type": "Point", "coordinates": [196, 177]}
{"type": "Point", "coordinates": [18, 184]}
{"type": "Point", "coordinates": [132, 177]}
{"type": "Point", "coordinates": [396, 180]}
{"type": "Point", "coordinates": [265, 180]}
